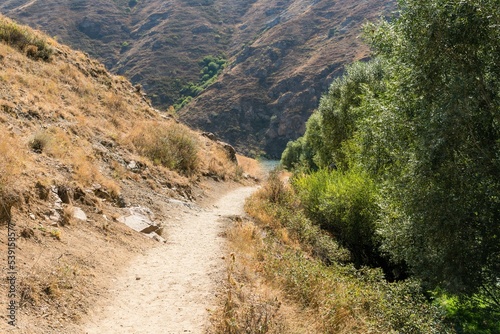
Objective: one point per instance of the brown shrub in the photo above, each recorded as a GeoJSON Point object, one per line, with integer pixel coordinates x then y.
{"type": "Point", "coordinates": [170, 144]}
{"type": "Point", "coordinates": [10, 162]}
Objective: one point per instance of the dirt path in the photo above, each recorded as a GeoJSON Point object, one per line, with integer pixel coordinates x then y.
{"type": "Point", "coordinates": [169, 289]}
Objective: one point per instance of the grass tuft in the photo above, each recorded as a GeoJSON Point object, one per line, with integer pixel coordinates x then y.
{"type": "Point", "coordinates": [25, 40]}
{"type": "Point", "coordinates": [171, 145]}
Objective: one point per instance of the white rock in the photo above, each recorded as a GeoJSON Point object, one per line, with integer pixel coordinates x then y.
{"type": "Point", "coordinates": [79, 214]}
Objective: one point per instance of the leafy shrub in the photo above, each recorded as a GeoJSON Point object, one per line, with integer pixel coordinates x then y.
{"type": "Point", "coordinates": [211, 68]}
{"type": "Point", "coordinates": [182, 102]}
{"type": "Point", "coordinates": [343, 203]}
{"type": "Point", "coordinates": [339, 297]}
{"type": "Point", "coordinates": [345, 300]}
{"type": "Point", "coordinates": [191, 89]}
{"type": "Point", "coordinates": [171, 145]}
{"type": "Point", "coordinates": [276, 205]}
{"type": "Point", "coordinates": [477, 314]}
{"type": "Point", "coordinates": [25, 40]}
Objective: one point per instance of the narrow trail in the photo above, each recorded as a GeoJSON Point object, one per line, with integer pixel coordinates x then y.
{"type": "Point", "coordinates": [170, 288]}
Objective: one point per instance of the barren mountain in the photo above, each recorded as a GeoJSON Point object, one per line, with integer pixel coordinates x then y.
{"type": "Point", "coordinates": [275, 81]}
{"type": "Point", "coordinates": [282, 54]}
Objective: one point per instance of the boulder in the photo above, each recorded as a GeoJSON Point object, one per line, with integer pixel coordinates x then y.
{"type": "Point", "coordinates": [140, 220]}
{"type": "Point", "coordinates": [79, 214]}
{"type": "Point", "coordinates": [230, 151]}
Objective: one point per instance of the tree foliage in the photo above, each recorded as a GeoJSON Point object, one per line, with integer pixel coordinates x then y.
{"type": "Point", "coordinates": [446, 107]}
{"type": "Point", "coordinates": [211, 67]}
{"type": "Point", "coordinates": [423, 121]}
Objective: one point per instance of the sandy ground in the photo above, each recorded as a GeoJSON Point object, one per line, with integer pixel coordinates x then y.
{"type": "Point", "coordinates": [171, 288]}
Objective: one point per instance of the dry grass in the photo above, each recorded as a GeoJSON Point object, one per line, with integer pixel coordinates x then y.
{"type": "Point", "coordinates": [11, 160]}
{"type": "Point", "coordinates": [67, 123]}
{"type": "Point", "coordinates": [251, 167]}
{"type": "Point", "coordinates": [248, 307]}
{"type": "Point", "coordinates": [219, 167]}
{"type": "Point", "coordinates": [253, 302]}
{"type": "Point", "coordinates": [171, 145]}
{"type": "Point", "coordinates": [68, 215]}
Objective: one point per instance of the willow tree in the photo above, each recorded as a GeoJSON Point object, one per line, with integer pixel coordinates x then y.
{"type": "Point", "coordinates": [442, 207]}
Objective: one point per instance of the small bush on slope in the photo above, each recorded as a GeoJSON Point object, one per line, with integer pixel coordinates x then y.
{"type": "Point", "coordinates": [343, 203]}
{"type": "Point", "coordinates": [25, 40]}
{"type": "Point", "coordinates": [170, 145]}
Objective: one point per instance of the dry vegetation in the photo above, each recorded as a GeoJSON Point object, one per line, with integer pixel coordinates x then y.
{"type": "Point", "coordinates": [251, 304]}
{"type": "Point", "coordinates": [285, 275]}
{"type": "Point", "coordinates": [74, 137]}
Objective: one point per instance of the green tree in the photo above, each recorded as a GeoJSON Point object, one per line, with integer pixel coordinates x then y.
{"type": "Point", "coordinates": [307, 152]}
{"type": "Point", "coordinates": [330, 129]}
{"type": "Point", "coordinates": [442, 193]}
{"type": "Point", "coordinates": [423, 121]}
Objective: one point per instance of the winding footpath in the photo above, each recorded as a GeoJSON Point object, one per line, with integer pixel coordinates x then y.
{"type": "Point", "coordinates": [171, 288]}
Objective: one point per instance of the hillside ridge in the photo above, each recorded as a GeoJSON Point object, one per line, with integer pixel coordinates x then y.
{"type": "Point", "coordinates": [281, 55]}
{"type": "Point", "coordinates": [90, 173]}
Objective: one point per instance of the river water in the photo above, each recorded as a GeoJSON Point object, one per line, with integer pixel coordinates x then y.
{"type": "Point", "coordinates": [269, 165]}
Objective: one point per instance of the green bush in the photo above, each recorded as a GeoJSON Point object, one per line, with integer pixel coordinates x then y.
{"type": "Point", "coordinates": [347, 300]}
{"type": "Point", "coordinates": [278, 204]}
{"type": "Point", "coordinates": [478, 314]}
{"type": "Point", "coordinates": [317, 275]}
{"type": "Point", "coordinates": [343, 203]}
{"type": "Point", "coordinates": [25, 40]}
{"type": "Point", "coordinates": [211, 68]}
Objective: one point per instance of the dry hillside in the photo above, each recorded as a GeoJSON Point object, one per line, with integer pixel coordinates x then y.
{"type": "Point", "coordinates": [275, 81]}
{"type": "Point", "coordinates": [79, 148]}
{"type": "Point", "coordinates": [282, 55]}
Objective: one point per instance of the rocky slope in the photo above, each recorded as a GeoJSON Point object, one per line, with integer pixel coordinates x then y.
{"type": "Point", "coordinates": [282, 54]}
{"type": "Point", "coordinates": [75, 168]}
{"type": "Point", "coordinates": [272, 85]}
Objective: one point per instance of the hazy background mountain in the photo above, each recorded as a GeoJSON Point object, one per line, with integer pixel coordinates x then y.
{"type": "Point", "coordinates": [281, 54]}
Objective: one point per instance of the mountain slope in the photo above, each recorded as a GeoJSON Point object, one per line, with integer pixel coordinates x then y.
{"type": "Point", "coordinates": [80, 150]}
{"type": "Point", "coordinates": [281, 54]}
{"type": "Point", "coordinates": [273, 84]}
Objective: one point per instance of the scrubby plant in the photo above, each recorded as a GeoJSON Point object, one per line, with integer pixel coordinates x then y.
{"type": "Point", "coordinates": [25, 40]}
{"type": "Point", "coordinates": [39, 141]}
{"type": "Point", "coordinates": [339, 297]}
{"type": "Point", "coordinates": [171, 145]}
{"type": "Point", "coordinates": [343, 203]}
